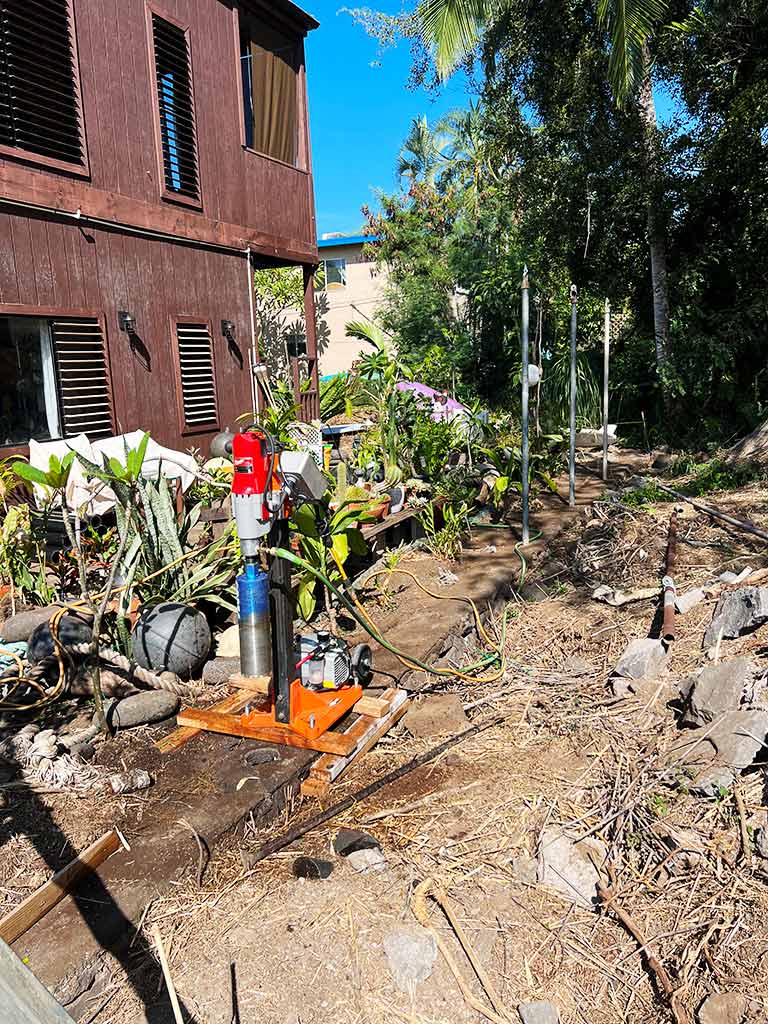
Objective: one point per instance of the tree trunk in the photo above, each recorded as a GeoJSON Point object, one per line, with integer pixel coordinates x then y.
{"type": "Point", "coordinates": [657, 241]}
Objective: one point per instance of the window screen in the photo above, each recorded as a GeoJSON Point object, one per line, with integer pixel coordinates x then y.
{"type": "Point", "coordinates": [176, 107]}
{"type": "Point", "coordinates": [270, 65]}
{"type": "Point", "coordinates": [39, 107]}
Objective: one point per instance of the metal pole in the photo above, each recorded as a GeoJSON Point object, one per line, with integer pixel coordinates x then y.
{"type": "Point", "coordinates": [606, 360]}
{"type": "Point", "coordinates": [252, 354]}
{"type": "Point", "coordinates": [524, 446]}
{"type": "Point", "coordinates": [572, 451]}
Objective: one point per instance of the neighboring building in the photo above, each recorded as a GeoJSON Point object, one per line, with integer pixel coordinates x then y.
{"type": "Point", "coordinates": [353, 288]}
{"type": "Point", "coordinates": [144, 149]}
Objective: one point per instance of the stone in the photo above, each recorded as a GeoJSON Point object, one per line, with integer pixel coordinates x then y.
{"type": "Point", "coordinates": [723, 1008]}
{"type": "Point", "coordinates": [739, 737]}
{"type": "Point", "coordinates": [642, 658]}
{"type": "Point", "coordinates": [348, 840]}
{"type": "Point", "coordinates": [538, 1012]}
{"type": "Point", "coordinates": [576, 666]}
{"type": "Point", "coordinates": [437, 715]}
{"type": "Point", "coordinates": [411, 952]}
{"type": "Point", "coordinates": [142, 709]}
{"type": "Point", "coordinates": [689, 599]}
{"type": "Point", "coordinates": [712, 782]}
{"type": "Point", "coordinates": [761, 842]}
{"type": "Point", "coordinates": [593, 438]}
{"type": "Point", "coordinates": [567, 867]}
{"type": "Point", "coordinates": [129, 781]}
{"type": "Point", "coordinates": [371, 861]}
{"type": "Point", "coordinates": [228, 643]}
{"type": "Point", "coordinates": [716, 690]}
{"type": "Point", "coordinates": [737, 612]}
{"type": "Point", "coordinates": [524, 869]}
{"type": "Point", "coordinates": [21, 626]}
{"type": "Point", "coordinates": [218, 670]}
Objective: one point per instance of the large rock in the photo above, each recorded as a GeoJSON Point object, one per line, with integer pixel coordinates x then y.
{"type": "Point", "coordinates": [723, 1008]}
{"type": "Point", "coordinates": [712, 782]}
{"type": "Point", "coordinates": [142, 709]}
{"type": "Point", "coordinates": [538, 1012]}
{"type": "Point", "coordinates": [567, 866]}
{"type": "Point", "coordinates": [73, 628]}
{"type": "Point", "coordinates": [716, 690]}
{"type": "Point", "coordinates": [739, 737]}
{"type": "Point", "coordinates": [411, 953]}
{"type": "Point", "coordinates": [641, 659]}
{"type": "Point", "coordinates": [20, 627]}
{"type": "Point", "coordinates": [737, 612]}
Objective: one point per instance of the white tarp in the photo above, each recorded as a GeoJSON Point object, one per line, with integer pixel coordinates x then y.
{"type": "Point", "coordinates": [93, 497]}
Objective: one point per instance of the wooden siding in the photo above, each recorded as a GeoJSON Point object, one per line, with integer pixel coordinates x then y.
{"type": "Point", "coordinates": [48, 267]}
{"type": "Point", "coordinates": [245, 198]}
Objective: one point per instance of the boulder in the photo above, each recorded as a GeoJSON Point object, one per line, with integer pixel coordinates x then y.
{"type": "Point", "coordinates": [142, 709]}
{"type": "Point", "coordinates": [20, 627]}
{"type": "Point", "coordinates": [566, 866]}
{"type": "Point", "coordinates": [74, 628]}
{"type": "Point", "coordinates": [641, 659]}
{"type": "Point", "coordinates": [218, 670]}
{"type": "Point", "coordinates": [538, 1012]}
{"type": "Point", "coordinates": [737, 612]}
{"type": "Point", "coordinates": [723, 1008]}
{"type": "Point", "coordinates": [716, 690]}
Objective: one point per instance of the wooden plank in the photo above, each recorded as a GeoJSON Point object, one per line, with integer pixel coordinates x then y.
{"type": "Point", "coordinates": [372, 707]}
{"type": "Point", "coordinates": [36, 906]}
{"type": "Point", "coordinates": [232, 704]}
{"type": "Point", "coordinates": [254, 684]}
{"type": "Point", "coordinates": [315, 787]}
{"type": "Point", "coordinates": [366, 732]}
{"type": "Point", "coordinates": [238, 725]}
{"type": "Point", "coordinates": [23, 999]}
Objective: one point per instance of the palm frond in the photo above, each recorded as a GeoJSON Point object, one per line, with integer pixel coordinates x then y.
{"type": "Point", "coordinates": [629, 24]}
{"type": "Point", "coordinates": [452, 28]}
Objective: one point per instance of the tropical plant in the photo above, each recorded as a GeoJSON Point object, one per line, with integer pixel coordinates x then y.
{"type": "Point", "coordinates": [421, 154]}
{"type": "Point", "coordinates": [323, 541]}
{"type": "Point", "coordinates": [337, 395]}
{"type": "Point", "coordinates": [433, 442]}
{"type": "Point", "coordinates": [556, 393]}
{"type": "Point", "coordinates": [446, 541]}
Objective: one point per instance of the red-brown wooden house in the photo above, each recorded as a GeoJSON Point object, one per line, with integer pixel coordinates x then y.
{"type": "Point", "coordinates": [152, 152]}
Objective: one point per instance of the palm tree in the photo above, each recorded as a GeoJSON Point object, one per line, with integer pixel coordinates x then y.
{"type": "Point", "coordinates": [466, 154]}
{"type": "Point", "coordinates": [452, 28]}
{"type": "Point", "coordinates": [421, 155]}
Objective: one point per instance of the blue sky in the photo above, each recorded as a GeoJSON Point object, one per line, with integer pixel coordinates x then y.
{"type": "Point", "coordinates": [359, 113]}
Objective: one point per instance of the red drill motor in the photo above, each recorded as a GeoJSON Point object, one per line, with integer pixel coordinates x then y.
{"type": "Point", "coordinates": [257, 495]}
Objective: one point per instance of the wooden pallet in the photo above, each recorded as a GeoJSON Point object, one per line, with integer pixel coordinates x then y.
{"type": "Point", "coordinates": [363, 733]}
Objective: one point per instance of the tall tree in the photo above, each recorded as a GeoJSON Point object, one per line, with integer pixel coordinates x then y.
{"type": "Point", "coordinates": [453, 27]}
{"type": "Point", "coordinates": [421, 155]}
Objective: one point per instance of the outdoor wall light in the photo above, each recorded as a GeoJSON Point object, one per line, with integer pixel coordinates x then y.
{"type": "Point", "coordinates": [228, 329]}
{"type": "Point", "coordinates": [126, 321]}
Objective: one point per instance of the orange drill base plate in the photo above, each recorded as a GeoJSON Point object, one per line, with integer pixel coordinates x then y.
{"type": "Point", "coordinates": [313, 712]}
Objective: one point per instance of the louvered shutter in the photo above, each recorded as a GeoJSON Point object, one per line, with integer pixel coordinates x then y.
{"type": "Point", "coordinates": [176, 108]}
{"type": "Point", "coordinates": [83, 374]}
{"type": "Point", "coordinates": [39, 105]}
{"type": "Point", "coordinates": [198, 378]}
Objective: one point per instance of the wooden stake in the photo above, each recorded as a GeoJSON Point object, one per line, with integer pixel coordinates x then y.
{"type": "Point", "coordinates": [167, 975]}
{"type": "Point", "coordinates": [36, 906]}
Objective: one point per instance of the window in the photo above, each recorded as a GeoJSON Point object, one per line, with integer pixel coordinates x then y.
{"type": "Point", "coordinates": [197, 376]}
{"type": "Point", "coordinates": [39, 97]}
{"type": "Point", "coordinates": [54, 379]}
{"type": "Point", "coordinates": [331, 274]}
{"type": "Point", "coordinates": [176, 107]}
{"type": "Point", "coordinates": [270, 64]}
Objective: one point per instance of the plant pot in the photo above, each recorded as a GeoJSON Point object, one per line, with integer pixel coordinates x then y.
{"type": "Point", "coordinates": [381, 509]}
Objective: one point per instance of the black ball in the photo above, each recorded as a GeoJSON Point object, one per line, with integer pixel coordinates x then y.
{"type": "Point", "coordinates": [74, 628]}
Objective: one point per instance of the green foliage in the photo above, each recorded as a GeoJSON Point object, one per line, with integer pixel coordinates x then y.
{"type": "Point", "coordinates": [649, 494]}
{"type": "Point", "coordinates": [54, 479]}
{"type": "Point", "coordinates": [433, 442]}
{"type": "Point", "coordinates": [446, 541]}
{"type": "Point", "coordinates": [320, 535]}
{"type": "Point", "coordinates": [556, 393]}
{"type": "Point", "coordinates": [337, 396]}
{"type": "Point", "coordinates": [719, 475]}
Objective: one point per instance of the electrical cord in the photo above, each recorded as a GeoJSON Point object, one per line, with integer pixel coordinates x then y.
{"type": "Point", "coordinates": [364, 620]}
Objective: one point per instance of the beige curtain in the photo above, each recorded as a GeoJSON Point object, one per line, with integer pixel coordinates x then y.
{"type": "Point", "coordinates": [274, 85]}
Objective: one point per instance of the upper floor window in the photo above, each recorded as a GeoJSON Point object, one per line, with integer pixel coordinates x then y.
{"type": "Point", "coordinates": [176, 107]}
{"type": "Point", "coordinates": [39, 92]}
{"type": "Point", "coordinates": [270, 64]}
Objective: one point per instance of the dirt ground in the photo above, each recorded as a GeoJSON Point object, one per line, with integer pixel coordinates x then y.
{"type": "Point", "coordinates": [460, 834]}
